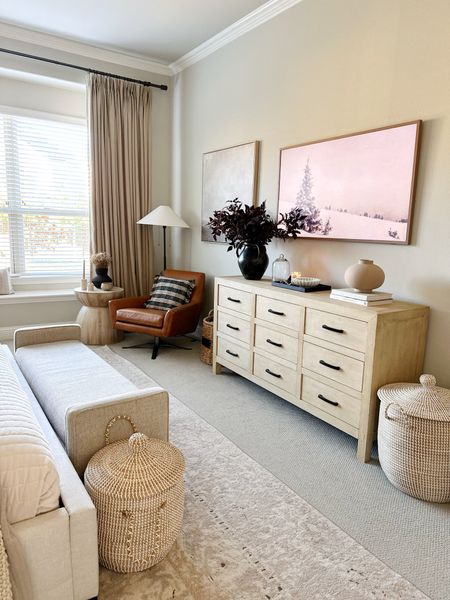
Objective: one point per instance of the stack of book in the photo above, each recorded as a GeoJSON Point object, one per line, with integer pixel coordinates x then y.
{"type": "Point", "coordinates": [371, 299]}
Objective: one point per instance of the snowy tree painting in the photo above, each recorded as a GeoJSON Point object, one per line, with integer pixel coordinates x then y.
{"type": "Point", "coordinates": [357, 187]}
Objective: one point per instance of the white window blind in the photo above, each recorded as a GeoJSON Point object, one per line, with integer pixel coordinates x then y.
{"type": "Point", "coordinates": [44, 197]}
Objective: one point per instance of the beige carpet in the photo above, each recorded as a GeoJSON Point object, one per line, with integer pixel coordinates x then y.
{"type": "Point", "coordinates": [247, 536]}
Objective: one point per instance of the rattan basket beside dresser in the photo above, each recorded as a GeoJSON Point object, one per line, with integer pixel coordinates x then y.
{"type": "Point", "coordinates": [325, 356]}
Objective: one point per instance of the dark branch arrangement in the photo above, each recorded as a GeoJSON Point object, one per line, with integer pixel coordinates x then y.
{"type": "Point", "coordinates": [243, 224]}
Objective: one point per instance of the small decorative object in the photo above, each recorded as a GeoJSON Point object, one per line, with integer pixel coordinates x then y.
{"type": "Point", "coordinates": [364, 276]}
{"type": "Point", "coordinates": [137, 488]}
{"type": "Point", "coordinates": [101, 262]}
{"type": "Point", "coordinates": [83, 279]}
{"type": "Point", "coordinates": [90, 287]}
{"type": "Point", "coordinates": [357, 187]}
{"type": "Point", "coordinates": [306, 282]}
{"type": "Point", "coordinates": [5, 282]}
{"type": "Point", "coordinates": [107, 286]}
{"type": "Point", "coordinates": [248, 229]}
{"type": "Point", "coordinates": [227, 173]}
{"type": "Point", "coordinates": [206, 349]}
{"type": "Point", "coordinates": [281, 269]}
{"type": "Point", "coordinates": [414, 438]}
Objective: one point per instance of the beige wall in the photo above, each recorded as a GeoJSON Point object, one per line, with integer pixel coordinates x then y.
{"type": "Point", "coordinates": [325, 68]}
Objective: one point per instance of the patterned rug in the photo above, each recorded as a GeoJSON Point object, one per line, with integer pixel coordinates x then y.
{"type": "Point", "coordinates": [247, 536]}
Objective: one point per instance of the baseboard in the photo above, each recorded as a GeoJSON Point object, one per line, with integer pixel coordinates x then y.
{"type": "Point", "coordinates": [7, 333]}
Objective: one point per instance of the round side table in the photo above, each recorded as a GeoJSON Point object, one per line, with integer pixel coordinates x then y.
{"type": "Point", "coordinates": [96, 327]}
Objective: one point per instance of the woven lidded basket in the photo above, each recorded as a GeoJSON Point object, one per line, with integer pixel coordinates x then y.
{"type": "Point", "coordinates": [206, 350]}
{"type": "Point", "coordinates": [414, 438]}
{"type": "Point", "coordinates": [138, 491]}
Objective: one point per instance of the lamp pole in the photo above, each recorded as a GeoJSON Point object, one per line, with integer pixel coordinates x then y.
{"type": "Point", "coordinates": [164, 236]}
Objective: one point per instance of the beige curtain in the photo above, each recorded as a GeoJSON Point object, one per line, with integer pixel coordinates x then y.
{"type": "Point", "coordinates": [119, 126]}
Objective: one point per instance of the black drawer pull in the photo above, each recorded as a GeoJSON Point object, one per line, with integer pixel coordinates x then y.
{"type": "Point", "coordinates": [277, 375]}
{"type": "Point", "coordinates": [269, 341]}
{"type": "Point", "coordinates": [232, 327]}
{"type": "Point", "coordinates": [232, 353]}
{"type": "Point", "coordinates": [326, 400]}
{"type": "Point", "coordinates": [233, 300]}
{"type": "Point", "coordinates": [276, 312]}
{"type": "Point", "coordinates": [325, 364]}
{"type": "Point", "coordinates": [328, 328]}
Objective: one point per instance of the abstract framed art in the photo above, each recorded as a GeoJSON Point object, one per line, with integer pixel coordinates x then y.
{"type": "Point", "coordinates": [357, 187]}
{"type": "Point", "coordinates": [227, 174]}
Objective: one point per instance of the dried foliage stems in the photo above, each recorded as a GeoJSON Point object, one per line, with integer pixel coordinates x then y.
{"type": "Point", "coordinates": [101, 259]}
{"type": "Point", "coordinates": [243, 224]}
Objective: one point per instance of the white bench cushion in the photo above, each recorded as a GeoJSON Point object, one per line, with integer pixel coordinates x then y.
{"type": "Point", "coordinates": [67, 374]}
{"type": "Point", "coordinates": [28, 475]}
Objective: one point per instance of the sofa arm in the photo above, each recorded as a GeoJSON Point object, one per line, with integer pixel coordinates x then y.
{"type": "Point", "coordinates": [182, 319]}
{"type": "Point", "coordinates": [28, 336]}
{"type": "Point", "coordinates": [134, 302]}
{"type": "Point", "coordinates": [85, 426]}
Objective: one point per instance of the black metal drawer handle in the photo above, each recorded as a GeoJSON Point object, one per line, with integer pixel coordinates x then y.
{"type": "Point", "coordinates": [233, 300]}
{"type": "Point", "coordinates": [325, 364]}
{"type": "Point", "coordinates": [326, 400]}
{"type": "Point", "coordinates": [232, 327]}
{"type": "Point", "coordinates": [269, 341]}
{"type": "Point", "coordinates": [232, 353]}
{"type": "Point", "coordinates": [328, 328]}
{"type": "Point", "coordinates": [277, 375]}
{"type": "Point", "coordinates": [276, 312]}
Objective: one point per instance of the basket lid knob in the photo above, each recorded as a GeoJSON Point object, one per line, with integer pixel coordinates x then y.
{"type": "Point", "coordinates": [137, 442]}
{"type": "Point", "coordinates": [427, 380]}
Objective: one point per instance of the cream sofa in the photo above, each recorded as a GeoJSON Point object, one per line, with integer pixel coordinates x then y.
{"type": "Point", "coordinates": [73, 394]}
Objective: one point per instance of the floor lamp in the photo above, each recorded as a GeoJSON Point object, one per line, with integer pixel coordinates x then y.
{"type": "Point", "coordinates": [164, 217]}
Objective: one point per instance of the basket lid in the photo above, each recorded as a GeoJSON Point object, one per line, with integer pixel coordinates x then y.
{"type": "Point", "coordinates": [135, 468]}
{"type": "Point", "coordinates": [425, 400]}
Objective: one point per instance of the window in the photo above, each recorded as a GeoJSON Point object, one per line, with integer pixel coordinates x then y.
{"type": "Point", "coordinates": [44, 196]}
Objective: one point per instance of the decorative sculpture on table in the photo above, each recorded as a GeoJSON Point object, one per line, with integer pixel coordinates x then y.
{"type": "Point", "coordinates": [101, 262]}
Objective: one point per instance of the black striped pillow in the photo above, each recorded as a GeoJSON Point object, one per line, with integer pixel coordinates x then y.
{"type": "Point", "coordinates": [168, 293]}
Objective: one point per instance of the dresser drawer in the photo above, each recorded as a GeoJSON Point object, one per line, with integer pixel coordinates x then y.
{"type": "Point", "coordinates": [332, 401]}
{"type": "Point", "coordinates": [278, 344]}
{"type": "Point", "coordinates": [333, 365]}
{"type": "Point", "coordinates": [236, 300]}
{"type": "Point", "coordinates": [234, 353]}
{"type": "Point", "coordinates": [278, 312]}
{"type": "Point", "coordinates": [233, 326]}
{"type": "Point", "coordinates": [337, 329]}
{"type": "Point", "coordinates": [274, 373]}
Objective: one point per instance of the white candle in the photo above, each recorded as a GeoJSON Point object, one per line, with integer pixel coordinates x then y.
{"type": "Point", "coordinates": [84, 269]}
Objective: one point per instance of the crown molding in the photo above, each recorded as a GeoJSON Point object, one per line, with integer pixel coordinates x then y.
{"type": "Point", "coordinates": [261, 15]}
{"type": "Point", "coordinates": [117, 57]}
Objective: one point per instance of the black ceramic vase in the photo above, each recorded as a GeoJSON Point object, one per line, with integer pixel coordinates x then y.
{"type": "Point", "coordinates": [253, 261]}
{"type": "Point", "coordinates": [101, 276]}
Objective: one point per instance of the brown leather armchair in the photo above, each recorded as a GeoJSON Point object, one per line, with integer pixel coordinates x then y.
{"type": "Point", "coordinates": [129, 314]}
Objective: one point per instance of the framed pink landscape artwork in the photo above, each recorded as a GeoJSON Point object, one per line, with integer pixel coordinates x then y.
{"type": "Point", "coordinates": [358, 187]}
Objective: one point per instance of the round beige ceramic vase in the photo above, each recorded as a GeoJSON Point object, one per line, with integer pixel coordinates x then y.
{"type": "Point", "coordinates": [365, 276]}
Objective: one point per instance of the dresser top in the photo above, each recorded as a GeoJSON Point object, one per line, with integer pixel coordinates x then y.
{"type": "Point", "coordinates": [318, 300]}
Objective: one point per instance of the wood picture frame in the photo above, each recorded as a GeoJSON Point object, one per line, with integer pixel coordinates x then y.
{"type": "Point", "coordinates": [228, 173]}
{"type": "Point", "coordinates": [359, 187]}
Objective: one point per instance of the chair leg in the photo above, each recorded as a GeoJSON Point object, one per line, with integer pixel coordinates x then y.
{"type": "Point", "coordinates": [156, 347]}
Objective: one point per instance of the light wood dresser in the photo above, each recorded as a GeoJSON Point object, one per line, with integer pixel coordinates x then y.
{"type": "Point", "coordinates": [325, 356]}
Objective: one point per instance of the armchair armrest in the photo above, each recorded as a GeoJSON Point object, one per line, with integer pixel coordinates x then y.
{"type": "Point", "coordinates": [133, 302]}
{"type": "Point", "coordinates": [182, 319]}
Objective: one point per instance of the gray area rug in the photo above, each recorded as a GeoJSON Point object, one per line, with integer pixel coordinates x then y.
{"type": "Point", "coordinates": [246, 535]}
{"type": "Point", "coordinates": [315, 460]}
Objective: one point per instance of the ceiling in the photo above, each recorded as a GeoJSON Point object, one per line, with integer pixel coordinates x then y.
{"type": "Point", "coordinates": [155, 29]}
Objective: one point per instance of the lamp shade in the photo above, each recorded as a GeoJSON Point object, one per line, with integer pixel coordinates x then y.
{"type": "Point", "coordinates": [164, 216]}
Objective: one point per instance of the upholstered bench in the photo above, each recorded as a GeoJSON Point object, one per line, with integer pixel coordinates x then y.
{"type": "Point", "coordinates": [80, 392]}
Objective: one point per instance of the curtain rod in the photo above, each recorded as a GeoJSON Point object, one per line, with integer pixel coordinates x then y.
{"type": "Point", "coordinates": [161, 86]}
